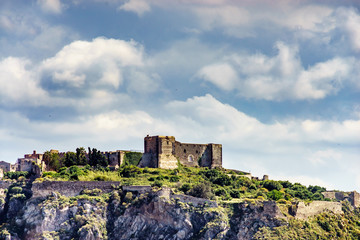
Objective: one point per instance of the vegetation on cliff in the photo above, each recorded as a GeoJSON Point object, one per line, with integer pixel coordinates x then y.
{"type": "Point", "coordinates": [217, 184]}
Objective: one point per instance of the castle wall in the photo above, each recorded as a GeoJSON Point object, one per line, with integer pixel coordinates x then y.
{"type": "Point", "coordinates": [307, 210]}
{"type": "Point", "coordinates": [334, 195]}
{"type": "Point", "coordinates": [70, 189]}
{"type": "Point", "coordinates": [189, 154]}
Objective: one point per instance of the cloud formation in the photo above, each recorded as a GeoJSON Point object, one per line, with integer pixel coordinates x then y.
{"type": "Point", "coordinates": [137, 6]}
{"type": "Point", "coordinates": [279, 77]}
{"type": "Point", "coordinates": [51, 6]}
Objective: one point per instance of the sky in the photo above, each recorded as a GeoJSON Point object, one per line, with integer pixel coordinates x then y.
{"type": "Point", "coordinates": [275, 82]}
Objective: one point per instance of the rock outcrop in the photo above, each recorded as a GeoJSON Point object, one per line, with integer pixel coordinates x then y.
{"type": "Point", "coordinates": [132, 212]}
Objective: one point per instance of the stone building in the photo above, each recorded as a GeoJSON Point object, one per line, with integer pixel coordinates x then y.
{"type": "Point", "coordinates": [26, 163]}
{"type": "Point", "coordinates": [165, 152]}
{"type": "Point", "coordinates": [7, 167]}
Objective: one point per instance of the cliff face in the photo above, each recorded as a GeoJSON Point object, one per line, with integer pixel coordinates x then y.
{"type": "Point", "coordinates": [123, 214]}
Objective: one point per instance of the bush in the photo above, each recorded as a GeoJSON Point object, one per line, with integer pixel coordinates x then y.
{"type": "Point", "coordinates": [49, 174]}
{"type": "Point", "coordinates": [174, 178]}
{"type": "Point", "coordinates": [16, 175]}
{"type": "Point", "coordinates": [129, 171]}
{"type": "Point", "coordinates": [15, 190]}
{"type": "Point", "coordinates": [235, 193]}
{"type": "Point", "coordinates": [272, 185]}
{"type": "Point", "coordinates": [223, 180]}
{"type": "Point", "coordinates": [185, 187]}
{"type": "Point", "coordinates": [202, 190]}
{"type": "Point", "coordinates": [19, 196]}
{"type": "Point", "coordinates": [211, 174]}
{"type": "Point", "coordinates": [100, 178]}
{"type": "Point", "coordinates": [275, 195]}
{"type": "Point", "coordinates": [157, 183]}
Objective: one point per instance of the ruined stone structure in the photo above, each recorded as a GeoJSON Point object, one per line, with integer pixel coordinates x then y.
{"type": "Point", "coordinates": [29, 160]}
{"type": "Point", "coordinates": [115, 158]}
{"type": "Point", "coordinates": [353, 197]}
{"type": "Point", "coordinates": [7, 167]}
{"type": "Point", "coordinates": [165, 152]}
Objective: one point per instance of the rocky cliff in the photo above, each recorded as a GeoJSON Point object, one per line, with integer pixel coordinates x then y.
{"type": "Point", "coordinates": [126, 213]}
{"type": "Point", "coordinates": [106, 210]}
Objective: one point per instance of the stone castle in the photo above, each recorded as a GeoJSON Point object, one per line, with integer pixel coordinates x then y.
{"type": "Point", "coordinates": [159, 152]}
{"type": "Point", "coordinates": [166, 152]}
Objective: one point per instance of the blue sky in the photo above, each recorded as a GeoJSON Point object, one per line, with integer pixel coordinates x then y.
{"type": "Point", "coordinates": [277, 83]}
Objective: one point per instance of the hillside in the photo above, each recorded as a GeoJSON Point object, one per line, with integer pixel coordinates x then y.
{"type": "Point", "coordinates": [184, 203]}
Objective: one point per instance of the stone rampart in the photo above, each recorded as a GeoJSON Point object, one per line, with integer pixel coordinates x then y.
{"type": "Point", "coordinates": [68, 188]}
{"type": "Point", "coordinates": [140, 189]}
{"type": "Point", "coordinates": [194, 200]}
{"type": "Point", "coordinates": [307, 210]}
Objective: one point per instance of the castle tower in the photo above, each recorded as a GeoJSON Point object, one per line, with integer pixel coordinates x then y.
{"type": "Point", "coordinates": [165, 152]}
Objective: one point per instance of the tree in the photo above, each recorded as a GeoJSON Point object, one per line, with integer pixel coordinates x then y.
{"type": "Point", "coordinates": [70, 159]}
{"type": "Point", "coordinates": [81, 156]}
{"type": "Point", "coordinates": [52, 160]}
{"type": "Point", "coordinates": [96, 158]}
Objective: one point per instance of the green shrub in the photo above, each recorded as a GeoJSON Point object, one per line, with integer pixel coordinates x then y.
{"type": "Point", "coordinates": [15, 190]}
{"type": "Point", "coordinates": [223, 180]}
{"type": "Point", "coordinates": [49, 174]}
{"type": "Point", "coordinates": [272, 185]}
{"type": "Point", "coordinates": [235, 193]}
{"type": "Point", "coordinates": [100, 178]}
{"type": "Point", "coordinates": [185, 187]}
{"type": "Point", "coordinates": [129, 171]}
{"type": "Point", "coordinates": [275, 195]}
{"type": "Point", "coordinates": [160, 177]}
{"type": "Point", "coordinates": [16, 175]}
{"type": "Point", "coordinates": [174, 178]}
{"type": "Point", "coordinates": [202, 190]}
{"type": "Point", "coordinates": [157, 183]}
{"type": "Point", "coordinates": [19, 196]}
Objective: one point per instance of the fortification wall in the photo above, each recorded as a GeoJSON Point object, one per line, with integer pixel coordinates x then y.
{"type": "Point", "coordinates": [307, 210]}
{"type": "Point", "coordinates": [189, 154]}
{"type": "Point", "coordinates": [136, 188]}
{"type": "Point", "coordinates": [194, 200]}
{"type": "Point", "coordinates": [334, 195]}
{"type": "Point", "coordinates": [69, 189]}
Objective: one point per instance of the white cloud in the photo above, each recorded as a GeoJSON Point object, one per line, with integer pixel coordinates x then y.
{"type": "Point", "coordinates": [218, 16]}
{"type": "Point", "coordinates": [302, 147]}
{"type": "Point", "coordinates": [279, 77]}
{"type": "Point", "coordinates": [323, 157]}
{"type": "Point", "coordinates": [222, 75]}
{"type": "Point", "coordinates": [99, 61]}
{"type": "Point", "coordinates": [137, 6]}
{"type": "Point", "coordinates": [51, 6]}
{"type": "Point", "coordinates": [19, 83]}
{"type": "Point", "coordinates": [352, 26]}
